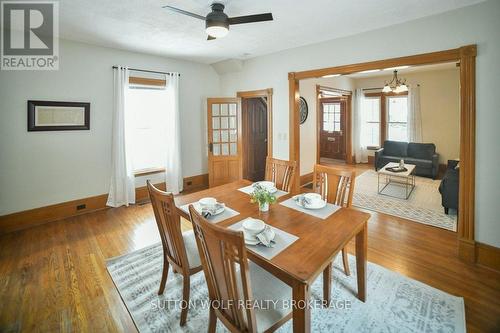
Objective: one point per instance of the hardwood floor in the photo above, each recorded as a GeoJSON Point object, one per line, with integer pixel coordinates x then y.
{"type": "Point", "coordinates": [53, 277]}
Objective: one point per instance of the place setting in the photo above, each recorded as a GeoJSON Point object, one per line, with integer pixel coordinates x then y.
{"type": "Point", "coordinates": [262, 238]}
{"type": "Point", "coordinates": [211, 209]}
{"type": "Point", "coordinates": [269, 186]}
{"type": "Point", "coordinates": [312, 204]}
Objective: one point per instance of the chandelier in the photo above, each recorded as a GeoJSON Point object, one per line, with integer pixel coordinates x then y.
{"type": "Point", "coordinates": [396, 85]}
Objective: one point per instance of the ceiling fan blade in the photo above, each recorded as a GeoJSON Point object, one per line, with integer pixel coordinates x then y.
{"type": "Point", "coordinates": [210, 37]}
{"type": "Point", "coordinates": [251, 18]}
{"type": "Point", "coordinates": [180, 11]}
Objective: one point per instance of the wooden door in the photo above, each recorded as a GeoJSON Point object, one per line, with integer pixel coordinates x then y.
{"type": "Point", "coordinates": [332, 128]}
{"type": "Point", "coordinates": [224, 140]}
{"type": "Point", "coordinates": [255, 134]}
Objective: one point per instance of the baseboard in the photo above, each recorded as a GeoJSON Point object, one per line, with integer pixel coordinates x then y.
{"type": "Point", "coordinates": [37, 216]}
{"type": "Point", "coordinates": [488, 256]}
{"type": "Point", "coordinates": [467, 251]}
{"type": "Point", "coordinates": [305, 179]}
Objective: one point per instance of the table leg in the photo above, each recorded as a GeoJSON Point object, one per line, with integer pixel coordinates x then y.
{"type": "Point", "coordinates": [327, 285]}
{"type": "Point", "coordinates": [301, 310]}
{"type": "Point", "coordinates": [361, 258]}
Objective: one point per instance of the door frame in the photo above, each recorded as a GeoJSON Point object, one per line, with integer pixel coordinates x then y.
{"type": "Point", "coordinates": [466, 56]}
{"type": "Point", "coordinates": [268, 94]}
{"type": "Point", "coordinates": [347, 94]}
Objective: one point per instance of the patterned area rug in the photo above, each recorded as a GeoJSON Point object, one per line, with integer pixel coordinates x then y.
{"type": "Point", "coordinates": [395, 303]}
{"type": "Point", "coordinates": [423, 205]}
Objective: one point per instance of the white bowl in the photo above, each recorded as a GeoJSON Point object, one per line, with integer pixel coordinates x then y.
{"type": "Point", "coordinates": [314, 197]}
{"type": "Point", "coordinates": [207, 202]}
{"type": "Point", "coordinates": [253, 226]}
{"type": "Point", "coordinates": [270, 186]}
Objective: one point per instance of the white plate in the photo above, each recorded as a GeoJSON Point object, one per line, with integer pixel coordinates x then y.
{"type": "Point", "coordinates": [315, 205]}
{"type": "Point", "coordinates": [256, 241]}
{"type": "Point", "coordinates": [198, 208]}
{"type": "Point", "coordinates": [270, 186]}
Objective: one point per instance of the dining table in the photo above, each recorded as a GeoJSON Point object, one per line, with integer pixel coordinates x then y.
{"type": "Point", "coordinates": [300, 263]}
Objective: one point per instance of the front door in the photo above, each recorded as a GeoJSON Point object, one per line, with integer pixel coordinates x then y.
{"type": "Point", "coordinates": [224, 140]}
{"type": "Point", "coordinates": [332, 128]}
{"type": "Point", "coordinates": [255, 134]}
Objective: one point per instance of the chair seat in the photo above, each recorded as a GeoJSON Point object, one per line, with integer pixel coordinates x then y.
{"type": "Point", "coordinates": [191, 249]}
{"type": "Point", "coordinates": [267, 287]}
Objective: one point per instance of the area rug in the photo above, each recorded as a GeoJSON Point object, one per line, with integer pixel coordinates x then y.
{"type": "Point", "coordinates": [423, 205]}
{"type": "Point", "coordinates": [394, 303]}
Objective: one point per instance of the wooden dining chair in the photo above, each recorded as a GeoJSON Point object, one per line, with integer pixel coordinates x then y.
{"type": "Point", "coordinates": [179, 248]}
{"type": "Point", "coordinates": [336, 186]}
{"type": "Point", "coordinates": [230, 277]}
{"type": "Point", "coordinates": [281, 173]}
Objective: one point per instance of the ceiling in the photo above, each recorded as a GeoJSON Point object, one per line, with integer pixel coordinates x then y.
{"type": "Point", "coordinates": [142, 25]}
{"type": "Point", "coordinates": [401, 71]}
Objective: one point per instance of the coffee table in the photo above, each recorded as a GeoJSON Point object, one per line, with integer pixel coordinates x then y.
{"type": "Point", "coordinates": [390, 178]}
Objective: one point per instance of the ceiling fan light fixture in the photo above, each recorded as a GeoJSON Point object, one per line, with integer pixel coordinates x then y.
{"type": "Point", "coordinates": [217, 31]}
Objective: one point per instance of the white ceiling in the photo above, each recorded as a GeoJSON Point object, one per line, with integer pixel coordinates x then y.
{"type": "Point", "coordinates": [142, 25]}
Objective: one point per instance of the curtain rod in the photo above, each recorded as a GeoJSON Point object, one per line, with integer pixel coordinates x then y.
{"type": "Point", "coordinates": [148, 71]}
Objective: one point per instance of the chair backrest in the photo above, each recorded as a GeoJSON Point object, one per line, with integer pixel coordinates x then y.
{"type": "Point", "coordinates": [281, 173]}
{"type": "Point", "coordinates": [169, 226]}
{"type": "Point", "coordinates": [221, 251]}
{"type": "Point", "coordinates": [336, 186]}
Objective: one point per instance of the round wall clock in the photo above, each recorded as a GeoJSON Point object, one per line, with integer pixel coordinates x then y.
{"type": "Point", "coordinates": [303, 110]}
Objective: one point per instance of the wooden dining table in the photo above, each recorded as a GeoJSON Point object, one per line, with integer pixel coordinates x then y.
{"type": "Point", "coordinates": [299, 264]}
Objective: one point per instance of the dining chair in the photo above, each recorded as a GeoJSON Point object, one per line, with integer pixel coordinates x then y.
{"type": "Point", "coordinates": [233, 280]}
{"type": "Point", "coordinates": [179, 248]}
{"type": "Point", "coordinates": [336, 186]}
{"type": "Point", "coordinates": [281, 173]}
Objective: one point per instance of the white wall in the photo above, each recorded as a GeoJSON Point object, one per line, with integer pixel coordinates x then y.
{"type": "Point", "coordinates": [42, 168]}
{"type": "Point", "coordinates": [477, 24]}
{"type": "Point", "coordinates": [439, 106]}
{"type": "Point", "coordinates": [308, 131]}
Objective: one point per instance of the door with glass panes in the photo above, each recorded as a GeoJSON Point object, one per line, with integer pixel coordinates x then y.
{"type": "Point", "coordinates": [224, 140]}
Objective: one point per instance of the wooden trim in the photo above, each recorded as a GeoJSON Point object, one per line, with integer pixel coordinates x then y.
{"type": "Point", "coordinates": [335, 90]}
{"type": "Point", "coordinates": [419, 59]}
{"type": "Point", "coordinates": [37, 216]}
{"type": "Point", "coordinates": [488, 256]}
{"type": "Point", "coordinates": [466, 205]}
{"type": "Point", "coordinates": [466, 55]}
{"type": "Point", "coordinates": [147, 81]}
{"type": "Point", "coordinates": [307, 178]}
{"type": "Point", "coordinates": [294, 124]}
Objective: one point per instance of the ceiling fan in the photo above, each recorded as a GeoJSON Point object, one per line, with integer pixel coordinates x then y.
{"type": "Point", "coordinates": [217, 22]}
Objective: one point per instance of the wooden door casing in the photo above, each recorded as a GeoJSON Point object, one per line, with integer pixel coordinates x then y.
{"type": "Point", "coordinates": [224, 140]}
{"type": "Point", "coordinates": [332, 140]}
{"type": "Point", "coordinates": [255, 128]}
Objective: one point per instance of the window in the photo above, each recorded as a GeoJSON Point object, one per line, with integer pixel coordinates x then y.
{"type": "Point", "coordinates": [371, 117]}
{"type": "Point", "coordinates": [331, 117]}
{"type": "Point", "coordinates": [397, 118]}
{"type": "Point", "coordinates": [147, 107]}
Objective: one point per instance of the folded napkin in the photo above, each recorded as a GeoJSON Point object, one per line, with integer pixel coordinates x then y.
{"type": "Point", "coordinates": [302, 200]}
{"type": "Point", "coordinates": [206, 212]}
{"type": "Point", "coordinates": [265, 237]}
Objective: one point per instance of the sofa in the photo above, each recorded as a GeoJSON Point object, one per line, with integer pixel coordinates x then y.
{"type": "Point", "coordinates": [422, 155]}
{"type": "Point", "coordinates": [449, 186]}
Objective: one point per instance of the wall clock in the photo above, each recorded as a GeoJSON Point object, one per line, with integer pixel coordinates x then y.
{"type": "Point", "coordinates": [303, 110]}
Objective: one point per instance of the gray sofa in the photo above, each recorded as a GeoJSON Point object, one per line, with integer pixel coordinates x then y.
{"type": "Point", "coordinates": [423, 155]}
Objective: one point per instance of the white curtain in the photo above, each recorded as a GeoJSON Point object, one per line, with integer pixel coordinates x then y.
{"type": "Point", "coordinates": [173, 166]}
{"type": "Point", "coordinates": [359, 145]}
{"type": "Point", "coordinates": [122, 186]}
{"type": "Point", "coordinates": [414, 114]}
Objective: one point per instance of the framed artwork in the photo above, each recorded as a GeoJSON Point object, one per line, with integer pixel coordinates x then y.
{"type": "Point", "coordinates": [58, 116]}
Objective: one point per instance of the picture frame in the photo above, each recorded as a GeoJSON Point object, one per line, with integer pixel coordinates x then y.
{"type": "Point", "coordinates": [58, 116]}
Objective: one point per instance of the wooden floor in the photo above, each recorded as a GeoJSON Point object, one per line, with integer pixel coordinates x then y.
{"type": "Point", "coordinates": [53, 277]}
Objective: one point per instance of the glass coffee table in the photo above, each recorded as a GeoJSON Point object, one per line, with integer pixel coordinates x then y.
{"type": "Point", "coordinates": [387, 179]}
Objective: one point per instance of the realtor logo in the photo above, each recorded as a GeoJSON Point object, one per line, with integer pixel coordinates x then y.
{"type": "Point", "coordinates": [30, 35]}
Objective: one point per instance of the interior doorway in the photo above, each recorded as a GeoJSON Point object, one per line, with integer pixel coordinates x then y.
{"type": "Point", "coordinates": [256, 121]}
